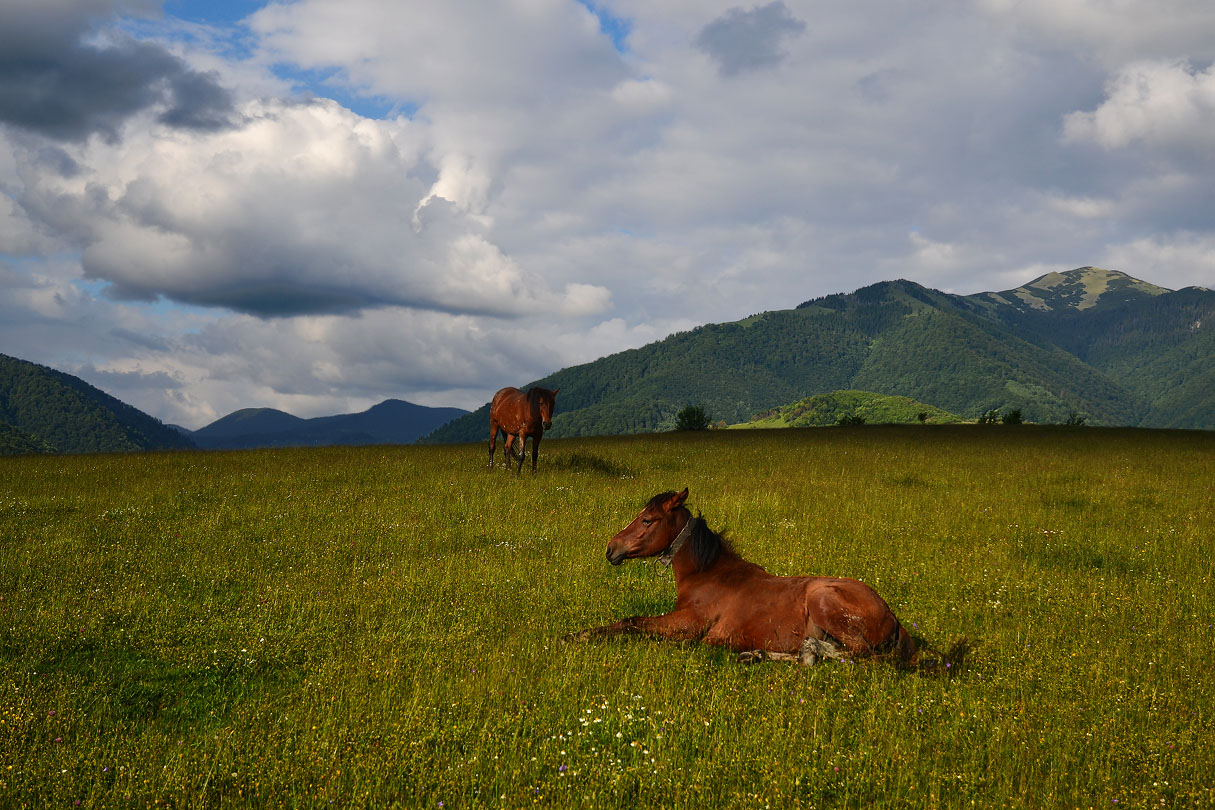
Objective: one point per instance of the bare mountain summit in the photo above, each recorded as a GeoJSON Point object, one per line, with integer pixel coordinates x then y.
{"type": "Point", "coordinates": [1082, 288]}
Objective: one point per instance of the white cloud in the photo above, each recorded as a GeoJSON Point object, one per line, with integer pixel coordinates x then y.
{"type": "Point", "coordinates": [305, 207]}
{"type": "Point", "coordinates": [1161, 104]}
{"type": "Point", "coordinates": [934, 257]}
{"type": "Point", "coordinates": [1116, 32]}
{"type": "Point", "coordinates": [1171, 260]}
{"type": "Point", "coordinates": [1081, 207]}
{"type": "Point", "coordinates": [641, 96]}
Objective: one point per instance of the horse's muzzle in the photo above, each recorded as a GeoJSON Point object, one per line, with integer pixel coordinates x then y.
{"type": "Point", "coordinates": [616, 559]}
{"type": "Point", "coordinates": [548, 425]}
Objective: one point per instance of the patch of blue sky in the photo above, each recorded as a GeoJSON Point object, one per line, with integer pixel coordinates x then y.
{"type": "Point", "coordinates": [212, 12]}
{"type": "Point", "coordinates": [217, 25]}
{"type": "Point", "coordinates": [91, 286]}
{"type": "Point", "coordinates": [214, 26]}
{"type": "Point", "coordinates": [182, 319]}
{"type": "Point", "coordinates": [616, 28]}
{"type": "Point", "coordinates": [329, 83]}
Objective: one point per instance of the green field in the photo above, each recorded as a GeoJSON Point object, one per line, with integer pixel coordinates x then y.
{"type": "Point", "coordinates": [380, 626]}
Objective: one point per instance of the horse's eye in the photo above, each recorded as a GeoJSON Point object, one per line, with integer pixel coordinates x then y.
{"type": "Point", "coordinates": [646, 521]}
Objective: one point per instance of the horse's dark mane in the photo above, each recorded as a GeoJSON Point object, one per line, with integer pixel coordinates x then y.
{"type": "Point", "coordinates": [705, 545]}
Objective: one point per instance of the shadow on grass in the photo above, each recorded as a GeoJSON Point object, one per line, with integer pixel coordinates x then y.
{"type": "Point", "coordinates": [1070, 557]}
{"type": "Point", "coordinates": [142, 686]}
{"type": "Point", "coordinates": [590, 463]}
{"type": "Point", "coordinates": [952, 663]}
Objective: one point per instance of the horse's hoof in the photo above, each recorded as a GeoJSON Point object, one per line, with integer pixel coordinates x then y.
{"type": "Point", "coordinates": [581, 635]}
{"type": "Point", "coordinates": [752, 657]}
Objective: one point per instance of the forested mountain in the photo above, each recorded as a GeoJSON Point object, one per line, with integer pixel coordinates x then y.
{"type": "Point", "coordinates": [1114, 349]}
{"type": "Point", "coordinates": [393, 421]}
{"type": "Point", "coordinates": [1159, 344]}
{"type": "Point", "coordinates": [68, 415]}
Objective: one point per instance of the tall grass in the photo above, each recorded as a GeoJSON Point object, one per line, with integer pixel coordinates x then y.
{"type": "Point", "coordinates": [381, 626]}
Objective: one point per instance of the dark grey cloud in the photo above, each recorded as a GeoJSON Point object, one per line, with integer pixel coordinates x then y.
{"type": "Point", "coordinates": [56, 83]}
{"type": "Point", "coordinates": [739, 41]}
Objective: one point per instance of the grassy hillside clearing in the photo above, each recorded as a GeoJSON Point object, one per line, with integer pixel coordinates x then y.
{"type": "Point", "coordinates": [828, 409]}
{"type": "Point", "coordinates": [380, 626]}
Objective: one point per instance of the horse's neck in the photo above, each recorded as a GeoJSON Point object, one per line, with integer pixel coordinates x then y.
{"type": "Point", "coordinates": [684, 565]}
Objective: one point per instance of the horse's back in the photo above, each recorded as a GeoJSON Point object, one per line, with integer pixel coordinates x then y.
{"type": "Point", "coordinates": [509, 410]}
{"type": "Point", "coordinates": [503, 402]}
{"type": "Point", "coordinates": [504, 395]}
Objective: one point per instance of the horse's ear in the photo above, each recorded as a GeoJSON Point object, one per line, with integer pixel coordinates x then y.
{"type": "Point", "coordinates": [555, 390]}
{"type": "Point", "coordinates": [675, 501]}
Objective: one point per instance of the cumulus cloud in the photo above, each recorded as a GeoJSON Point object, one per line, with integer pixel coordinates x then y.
{"type": "Point", "coordinates": [745, 40]}
{"type": "Point", "coordinates": [55, 81]}
{"type": "Point", "coordinates": [1161, 104]}
{"type": "Point", "coordinates": [1173, 260]}
{"type": "Point", "coordinates": [304, 208]}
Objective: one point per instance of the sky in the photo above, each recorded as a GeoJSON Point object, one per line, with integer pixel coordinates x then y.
{"type": "Point", "coordinates": [318, 205]}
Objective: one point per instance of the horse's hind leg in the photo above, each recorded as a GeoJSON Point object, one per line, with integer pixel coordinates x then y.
{"type": "Point", "coordinates": [816, 649]}
{"type": "Point", "coordinates": [759, 656]}
{"type": "Point", "coordinates": [813, 650]}
{"type": "Point", "coordinates": [493, 442]}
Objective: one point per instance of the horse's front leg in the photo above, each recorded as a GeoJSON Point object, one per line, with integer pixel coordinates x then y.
{"type": "Point", "coordinates": [535, 450]}
{"type": "Point", "coordinates": [493, 442]}
{"type": "Point", "coordinates": [678, 625]}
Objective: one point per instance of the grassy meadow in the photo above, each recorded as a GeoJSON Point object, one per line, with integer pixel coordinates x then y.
{"type": "Point", "coordinates": [381, 626]}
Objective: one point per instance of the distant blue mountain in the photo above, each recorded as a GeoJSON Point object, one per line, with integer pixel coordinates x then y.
{"type": "Point", "coordinates": [393, 421]}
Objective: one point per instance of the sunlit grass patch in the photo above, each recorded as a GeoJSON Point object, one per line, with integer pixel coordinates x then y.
{"type": "Point", "coordinates": [372, 626]}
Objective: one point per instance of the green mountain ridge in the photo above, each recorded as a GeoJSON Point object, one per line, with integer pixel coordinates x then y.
{"type": "Point", "coordinates": [1115, 349]}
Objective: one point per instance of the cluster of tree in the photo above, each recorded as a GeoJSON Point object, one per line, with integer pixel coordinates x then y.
{"type": "Point", "coordinates": [693, 417]}
{"type": "Point", "coordinates": [16, 442]}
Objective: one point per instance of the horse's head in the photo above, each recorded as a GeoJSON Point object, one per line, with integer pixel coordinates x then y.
{"type": "Point", "coordinates": [548, 404]}
{"type": "Point", "coordinates": [653, 531]}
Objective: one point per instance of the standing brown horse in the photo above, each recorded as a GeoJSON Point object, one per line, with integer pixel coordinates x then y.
{"type": "Point", "coordinates": [518, 414]}
{"type": "Point", "coordinates": [724, 600]}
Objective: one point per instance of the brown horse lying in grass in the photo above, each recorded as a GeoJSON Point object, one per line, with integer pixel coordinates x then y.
{"type": "Point", "coordinates": [724, 600]}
